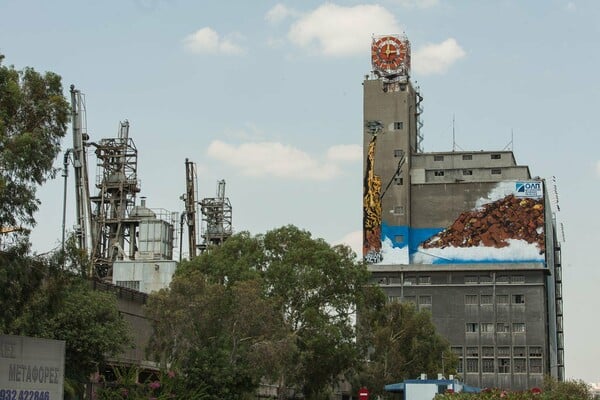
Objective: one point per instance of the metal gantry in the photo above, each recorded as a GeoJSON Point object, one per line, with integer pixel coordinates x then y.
{"type": "Point", "coordinates": [117, 182]}
{"type": "Point", "coordinates": [216, 218]}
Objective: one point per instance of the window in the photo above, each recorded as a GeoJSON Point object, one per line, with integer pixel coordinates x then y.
{"type": "Point", "coordinates": [520, 366]}
{"type": "Point", "coordinates": [486, 299]}
{"type": "Point", "coordinates": [502, 298]}
{"type": "Point", "coordinates": [470, 279]}
{"type": "Point", "coordinates": [135, 285]}
{"type": "Point", "coordinates": [535, 365]}
{"type": "Point", "coordinates": [519, 351]}
{"type": "Point", "coordinates": [393, 299]}
{"type": "Point", "coordinates": [485, 279]}
{"type": "Point", "coordinates": [399, 210]}
{"type": "Point", "coordinates": [502, 327]}
{"type": "Point", "coordinates": [399, 181]}
{"type": "Point", "coordinates": [467, 157]}
{"type": "Point", "coordinates": [472, 327]}
{"type": "Point", "coordinates": [517, 279]}
{"type": "Point", "coordinates": [425, 300]}
{"type": "Point", "coordinates": [424, 280]}
{"type": "Point", "coordinates": [518, 327]}
{"type": "Point", "coordinates": [472, 365]}
{"type": "Point", "coordinates": [399, 238]}
{"type": "Point", "coordinates": [410, 299]}
{"type": "Point", "coordinates": [410, 280]}
{"type": "Point", "coordinates": [472, 352]}
{"type": "Point", "coordinates": [438, 173]}
{"type": "Point", "coordinates": [398, 153]}
{"type": "Point", "coordinates": [487, 365]}
{"type": "Point", "coordinates": [535, 351]}
{"type": "Point", "coordinates": [467, 172]}
{"type": "Point", "coordinates": [496, 156]}
{"type": "Point", "coordinates": [471, 299]}
{"type": "Point", "coordinates": [487, 351]}
{"type": "Point", "coordinates": [438, 158]}
{"type": "Point", "coordinates": [518, 299]}
{"type": "Point", "coordinates": [504, 365]}
{"type": "Point", "coordinates": [496, 171]}
{"type": "Point", "coordinates": [395, 280]}
{"type": "Point", "coordinates": [398, 125]}
{"type": "Point", "coordinates": [502, 279]}
{"type": "Point", "coordinates": [383, 280]}
{"type": "Point", "coordinates": [487, 327]}
{"type": "Point", "coordinates": [503, 351]}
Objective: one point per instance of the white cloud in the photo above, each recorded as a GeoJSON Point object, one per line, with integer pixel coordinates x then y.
{"type": "Point", "coordinates": [278, 13]}
{"type": "Point", "coordinates": [207, 40]}
{"type": "Point", "coordinates": [571, 6]}
{"type": "Point", "coordinates": [437, 58]}
{"type": "Point", "coordinates": [273, 159]}
{"type": "Point", "coordinates": [334, 30]}
{"type": "Point", "coordinates": [345, 152]}
{"type": "Point", "coordinates": [598, 168]}
{"type": "Point", "coordinates": [418, 3]}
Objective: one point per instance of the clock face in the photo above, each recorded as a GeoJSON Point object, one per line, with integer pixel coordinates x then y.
{"type": "Point", "coordinates": [388, 53]}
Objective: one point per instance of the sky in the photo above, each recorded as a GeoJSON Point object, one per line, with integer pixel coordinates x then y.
{"type": "Point", "coordinates": [268, 96]}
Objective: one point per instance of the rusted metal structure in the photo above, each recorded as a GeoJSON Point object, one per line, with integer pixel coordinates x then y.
{"type": "Point", "coordinates": [118, 185]}
{"type": "Point", "coordinates": [216, 218]}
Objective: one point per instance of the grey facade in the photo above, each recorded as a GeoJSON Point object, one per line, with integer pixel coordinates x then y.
{"type": "Point", "coordinates": [502, 313]}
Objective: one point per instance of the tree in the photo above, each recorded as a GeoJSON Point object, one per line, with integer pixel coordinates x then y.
{"type": "Point", "coordinates": [403, 343]}
{"type": "Point", "coordinates": [33, 119]}
{"type": "Point", "coordinates": [215, 335]}
{"type": "Point", "coordinates": [318, 288]}
{"type": "Point", "coordinates": [40, 299]}
{"type": "Point", "coordinates": [315, 288]}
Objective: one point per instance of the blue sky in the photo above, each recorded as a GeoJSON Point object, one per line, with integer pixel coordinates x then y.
{"type": "Point", "coordinates": [267, 95]}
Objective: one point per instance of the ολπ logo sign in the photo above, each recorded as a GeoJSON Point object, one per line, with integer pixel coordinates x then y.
{"type": "Point", "coordinates": [529, 189]}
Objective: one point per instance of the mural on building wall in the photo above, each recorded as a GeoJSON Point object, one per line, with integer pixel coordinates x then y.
{"type": "Point", "coordinates": [372, 208]}
{"type": "Point", "coordinates": [506, 226]}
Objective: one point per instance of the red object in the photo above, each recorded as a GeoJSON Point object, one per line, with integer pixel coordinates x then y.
{"type": "Point", "coordinates": [363, 394]}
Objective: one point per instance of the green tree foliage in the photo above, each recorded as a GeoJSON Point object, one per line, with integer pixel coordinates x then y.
{"type": "Point", "coordinates": [40, 299]}
{"type": "Point", "coordinates": [215, 335]}
{"type": "Point", "coordinates": [402, 343]}
{"type": "Point", "coordinates": [33, 119]}
{"type": "Point", "coordinates": [308, 288]}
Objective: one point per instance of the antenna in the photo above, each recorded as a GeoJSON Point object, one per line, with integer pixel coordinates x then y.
{"type": "Point", "coordinates": [454, 145]}
{"type": "Point", "coordinates": [453, 135]}
{"type": "Point", "coordinates": [509, 146]}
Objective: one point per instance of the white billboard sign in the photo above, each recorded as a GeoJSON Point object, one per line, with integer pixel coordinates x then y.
{"type": "Point", "coordinates": [31, 368]}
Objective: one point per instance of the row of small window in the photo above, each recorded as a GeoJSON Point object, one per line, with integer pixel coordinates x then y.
{"type": "Point", "coordinates": [501, 365]}
{"type": "Point", "coordinates": [420, 300]}
{"type": "Point", "coordinates": [466, 172]}
{"type": "Point", "coordinates": [501, 327]}
{"type": "Point", "coordinates": [468, 157]}
{"type": "Point", "coordinates": [426, 280]}
{"type": "Point", "coordinates": [488, 299]}
{"type": "Point", "coordinates": [500, 351]}
{"type": "Point", "coordinates": [474, 279]}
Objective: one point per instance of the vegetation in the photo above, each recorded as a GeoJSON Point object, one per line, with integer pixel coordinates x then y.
{"type": "Point", "coordinates": [33, 119]}
{"type": "Point", "coordinates": [281, 302]}
{"type": "Point", "coordinates": [552, 390]}
{"type": "Point", "coordinates": [402, 343]}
